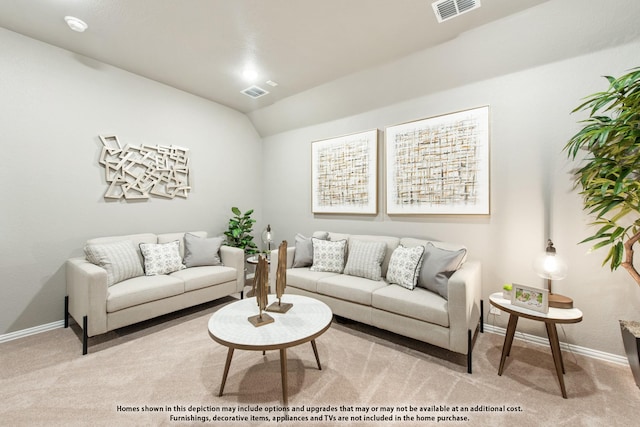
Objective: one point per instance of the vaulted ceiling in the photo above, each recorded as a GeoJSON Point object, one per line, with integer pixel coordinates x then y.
{"type": "Point", "coordinates": [203, 46]}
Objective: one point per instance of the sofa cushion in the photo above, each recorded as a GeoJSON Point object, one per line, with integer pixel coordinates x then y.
{"type": "Point", "coordinates": [119, 259]}
{"type": "Point", "coordinates": [365, 258]}
{"type": "Point", "coordinates": [328, 255]}
{"type": "Point", "coordinates": [143, 289]}
{"type": "Point", "coordinates": [437, 267]}
{"type": "Point", "coordinates": [161, 258]}
{"type": "Point", "coordinates": [349, 288]}
{"type": "Point", "coordinates": [201, 251]}
{"type": "Point", "coordinates": [304, 278]}
{"type": "Point", "coordinates": [405, 265]}
{"type": "Point", "coordinates": [419, 304]}
{"type": "Point", "coordinates": [204, 276]}
{"type": "Point", "coordinates": [303, 255]}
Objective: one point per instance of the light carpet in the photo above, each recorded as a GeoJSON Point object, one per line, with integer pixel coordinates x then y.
{"type": "Point", "coordinates": [369, 378]}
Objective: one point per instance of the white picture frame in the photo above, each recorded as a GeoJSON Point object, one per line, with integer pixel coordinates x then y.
{"type": "Point", "coordinates": [536, 299]}
{"type": "Point", "coordinates": [344, 174]}
{"type": "Point", "coordinates": [439, 165]}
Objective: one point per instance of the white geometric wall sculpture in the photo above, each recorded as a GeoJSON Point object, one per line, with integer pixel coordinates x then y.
{"type": "Point", "coordinates": [141, 171]}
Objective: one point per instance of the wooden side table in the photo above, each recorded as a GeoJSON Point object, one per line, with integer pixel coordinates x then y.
{"type": "Point", "coordinates": [555, 315]}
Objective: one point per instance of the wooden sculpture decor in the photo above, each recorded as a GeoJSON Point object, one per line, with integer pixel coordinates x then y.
{"type": "Point", "coordinates": [261, 290]}
{"type": "Point", "coordinates": [281, 281]}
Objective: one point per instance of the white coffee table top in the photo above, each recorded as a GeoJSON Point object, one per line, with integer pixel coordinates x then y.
{"type": "Point", "coordinates": [306, 320]}
{"type": "Point", "coordinates": [558, 315]}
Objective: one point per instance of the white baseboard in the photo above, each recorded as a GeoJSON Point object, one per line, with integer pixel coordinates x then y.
{"type": "Point", "coordinates": [596, 354]}
{"type": "Point", "coordinates": [584, 351]}
{"type": "Point", "coordinates": [31, 331]}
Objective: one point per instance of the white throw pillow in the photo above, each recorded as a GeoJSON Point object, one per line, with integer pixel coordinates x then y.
{"type": "Point", "coordinates": [119, 259]}
{"type": "Point", "coordinates": [404, 266]}
{"type": "Point", "coordinates": [161, 258]}
{"type": "Point", "coordinates": [365, 259]}
{"type": "Point", "coordinates": [328, 255]}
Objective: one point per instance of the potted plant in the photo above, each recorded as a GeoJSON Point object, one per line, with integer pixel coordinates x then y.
{"type": "Point", "coordinates": [506, 291]}
{"type": "Point", "coordinates": [610, 180]}
{"type": "Point", "coordinates": [239, 232]}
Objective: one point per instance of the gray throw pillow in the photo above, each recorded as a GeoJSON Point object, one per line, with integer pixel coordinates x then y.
{"type": "Point", "coordinates": [200, 251]}
{"type": "Point", "coordinates": [365, 259]}
{"type": "Point", "coordinates": [120, 259]}
{"type": "Point", "coordinates": [437, 267]}
{"type": "Point", "coordinates": [303, 255]}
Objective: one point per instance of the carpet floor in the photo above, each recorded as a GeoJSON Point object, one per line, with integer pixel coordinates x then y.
{"type": "Point", "coordinates": [167, 372]}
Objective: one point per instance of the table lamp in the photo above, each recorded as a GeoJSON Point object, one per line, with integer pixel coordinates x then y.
{"type": "Point", "coordinates": [550, 266]}
{"type": "Point", "coordinates": [267, 237]}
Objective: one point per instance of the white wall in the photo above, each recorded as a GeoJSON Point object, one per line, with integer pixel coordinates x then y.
{"type": "Point", "coordinates": [53, 106]}
{"type": "Point", "coordinates": [531, 188]}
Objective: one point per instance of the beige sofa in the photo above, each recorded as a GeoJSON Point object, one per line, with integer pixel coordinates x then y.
{"type": "Point", "coordinates": [451, 321]}
{"type": "Point", "coordinates": [100, 306]}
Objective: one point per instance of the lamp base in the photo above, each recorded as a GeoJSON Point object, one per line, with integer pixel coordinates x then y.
{"type": "Point", "coordinates": [560, 301]}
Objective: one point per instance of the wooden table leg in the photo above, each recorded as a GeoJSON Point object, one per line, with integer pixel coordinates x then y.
{"type": "Point", "coordinates": [315, 351]}
{"type": "Point", "coordinates": [557, 355]}
{"type": "Point", "coordinates": [226, 370]}
{"type": "Point", "coordinates": [508, 340]}
{"type": "Point", "coordinates": [283, 373]}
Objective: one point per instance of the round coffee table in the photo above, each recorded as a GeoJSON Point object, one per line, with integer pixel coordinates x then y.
{"type": "Point", "coordinates": [304, 322]}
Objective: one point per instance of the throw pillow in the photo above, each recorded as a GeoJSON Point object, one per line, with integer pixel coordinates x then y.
{"type": "Point", "coordinates": [328, 255]}
{"type": "Point", "coordinates": [303, 255]}
{"type": "Point", "coordinates": [365, 259]}
{"type": "Point", "coordinates": [119, 259]}
{"type": "Point", "coordinates": [438, 266]}
{"type": "Point", "coordinates": [405, 265]}
{"type": "Point", "coordinates": [161, 258]}
{"type": "Point", "coordinates": [199, 251]}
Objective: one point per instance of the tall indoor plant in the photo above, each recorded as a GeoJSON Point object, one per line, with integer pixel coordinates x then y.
{"type": "Point", "coordinates": [239, 231]}
{"type": "Point", "coordinates": [610, 179]}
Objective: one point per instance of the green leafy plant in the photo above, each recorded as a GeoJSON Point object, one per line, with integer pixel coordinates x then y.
{"type": "Point", "coordinates": [507, 287]}
{"type": "Point", "coordinates": [239, 232]}
{"type": "Point", "coordinates": [610, 171]}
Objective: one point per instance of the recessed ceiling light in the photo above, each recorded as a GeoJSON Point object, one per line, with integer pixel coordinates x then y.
{"type": "Point", "coordinates": [250, 74]}
{"type": "Point", "coordinates": [76, 24]}
{"type": "Point", "coordinates": [272, 83]}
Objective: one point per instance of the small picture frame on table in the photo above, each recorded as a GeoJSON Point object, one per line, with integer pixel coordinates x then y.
{"type": "Point", "coordinates": [535, 299]}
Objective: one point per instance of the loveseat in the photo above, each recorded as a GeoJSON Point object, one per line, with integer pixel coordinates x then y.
{"type": "Point", "coordinates": [425, 290]}
{"type": "Point", "coordinates": [123, 280]}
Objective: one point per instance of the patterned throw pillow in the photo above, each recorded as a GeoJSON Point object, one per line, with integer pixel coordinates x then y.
{"type": "Point", "coordinates": [404, 266]}
{"type": "Point", "coordinates": [161, 258]}
{"type": "Point", "coordinates": [303, 255]}
{"type": "Point", "coordinates": [328, 255]}
{"type": "Point", "coordinates": [119, 259]}
{"type": "Point", "coordinates": [365, 259]}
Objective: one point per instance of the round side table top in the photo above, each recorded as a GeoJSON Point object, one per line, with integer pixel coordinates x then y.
{"type": "Point", "coordinates": [556, 315]}
{"type": "Point", "coordinates": [305, 321]}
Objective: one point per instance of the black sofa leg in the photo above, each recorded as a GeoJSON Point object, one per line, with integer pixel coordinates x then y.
{"type": "Point", "coordinates": [482, 316]}
{"type": "Point", "coordinates": [66, 311]}
{"type": "Point", "coordinates": [469, 350]}
{"type": "Point", "coordinates": [85, 337]}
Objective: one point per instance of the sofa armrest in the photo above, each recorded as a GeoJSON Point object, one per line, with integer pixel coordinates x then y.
{"type": "Point", "coordinates": [87, 291]}
{"type": "Point", "coordinates": [465, 290]}
{"type": "Point", "coordinates": [234, 257]}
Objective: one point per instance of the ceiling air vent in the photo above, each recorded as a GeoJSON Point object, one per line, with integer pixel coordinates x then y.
{"type": "Point", "coordinates": [254, 92]}
{"type": "Point", "coordinates": [447, 9]}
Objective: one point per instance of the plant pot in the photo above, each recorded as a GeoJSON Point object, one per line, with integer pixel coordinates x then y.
{"type": "Point", "coordinates": [631, 339]}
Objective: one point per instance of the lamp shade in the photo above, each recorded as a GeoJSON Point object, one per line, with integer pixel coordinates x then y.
{"type": "Point", "coordinates": [549, 264]}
